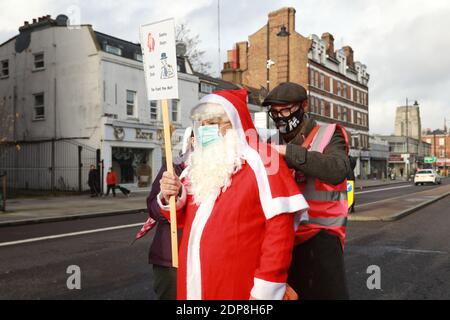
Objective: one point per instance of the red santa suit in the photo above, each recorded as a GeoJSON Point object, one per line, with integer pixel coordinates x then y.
{"type": "Point", "coordinates": [240, 243]}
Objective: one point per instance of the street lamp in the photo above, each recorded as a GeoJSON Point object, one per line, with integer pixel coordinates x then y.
{"type": "Point", "coordinates": [283, 33]}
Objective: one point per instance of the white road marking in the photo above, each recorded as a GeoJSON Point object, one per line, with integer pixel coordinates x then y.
{"type": "Point", "coordinates": [376, 250]}
{"type": "Point", "coordinates": [72, 234]}
{"type": "Point", "coordinates": [384, 189]}
{"type": "Point", "coordinates": [420, 251]}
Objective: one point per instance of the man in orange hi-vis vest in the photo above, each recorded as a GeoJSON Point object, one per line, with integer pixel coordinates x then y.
{"type": "Point", "coordinates": [318, 155]}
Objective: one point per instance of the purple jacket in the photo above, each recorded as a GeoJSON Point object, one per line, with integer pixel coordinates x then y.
{"type": "Point", "coordinates": [160, 250]}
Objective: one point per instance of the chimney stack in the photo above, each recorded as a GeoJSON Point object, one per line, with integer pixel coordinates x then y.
{"type": "Point", "coordinates": [329, 39]}
{"type": "Point", "coordinates": [348, 51]}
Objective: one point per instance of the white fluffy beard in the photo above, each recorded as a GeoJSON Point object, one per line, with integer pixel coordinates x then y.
{"type": "Point", "coordinates": [211, 168]}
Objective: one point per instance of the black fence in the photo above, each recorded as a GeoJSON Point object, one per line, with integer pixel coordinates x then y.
{"type": "Point", "coordinates": [53, 165]}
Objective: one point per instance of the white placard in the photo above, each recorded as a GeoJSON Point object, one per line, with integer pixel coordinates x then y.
{"type": "Point", "coordinates": [160, 59]}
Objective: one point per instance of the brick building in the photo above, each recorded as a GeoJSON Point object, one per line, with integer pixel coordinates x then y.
{"type": "Point", "coordinates": [337, 84]}
{"type": "Point", "coordinates": [440, 147]}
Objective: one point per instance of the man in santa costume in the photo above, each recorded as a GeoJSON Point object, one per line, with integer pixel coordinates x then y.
{"type": "Point", "coordinates": [238, 214]}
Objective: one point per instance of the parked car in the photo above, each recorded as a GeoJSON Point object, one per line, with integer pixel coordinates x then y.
{"type": "Point", "coordinates": [427, 176]}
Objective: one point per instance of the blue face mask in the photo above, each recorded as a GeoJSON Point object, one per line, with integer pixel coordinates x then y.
{"type": "Point", "coordinates": [208, 134]}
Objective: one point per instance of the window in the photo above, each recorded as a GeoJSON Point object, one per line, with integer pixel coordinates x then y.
{"type": "Point", "coordinates": [358, 96]}
{"type": "Point", "coordinates": [344, 90]}
{"type": "Point", "coordinates": [338, 88]}
{"type": "Point", "coordinates": [339, 113]}
{"type": "Point", "coordinates": [311, 77]}
{"type": "Point", "coordinates": [344, 114]}
{"type": "Point", "coordinates": [153, 110]}
{"type": "Point", "coordinates": [428, 141]}
{"type": "Point", "coordinates": [358, 118]}
{"type": "Point", "coordinates": [39, 108]}
{"type": "Point", "coordinates": [322, 81]}
{"type": "Point", "coordinates": [442, 153]}
{"type": "Point", "coordinates": [39, 61]}
{"type": "Point", "coordinates": [441, 141]}
{"type": "Point", "coordinates": [175, 105]}
{"type": "Point", "coordinates": [113, 50]}
{"type": "Point", "coordinates": [206, 87]}
{"type": "Point", "coordinates": [355, 140]}
{"type": "Point", "coordinates": [131, 103]}
{"type": "Point", "coordinates": [4, 71]}
{"type": "Point", "coordinates": [316, 79]}
{"type": "Point", "coordinates": [313, 105]}
{"type": "Point", "coordinates": [139, 57]}
{"type": "Point", "coordinates": [322, 108]}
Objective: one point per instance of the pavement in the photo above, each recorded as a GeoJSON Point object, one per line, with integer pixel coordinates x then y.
{"type": "Point", "coordinates": [397, 207]}
{"type": "Point", "coordinates": [49, 209]}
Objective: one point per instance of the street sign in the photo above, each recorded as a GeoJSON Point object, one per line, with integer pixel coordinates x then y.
{"type": "Point", "coordinates": [430, 159]}
{"type": "Point", "coordinates": [160, 59]}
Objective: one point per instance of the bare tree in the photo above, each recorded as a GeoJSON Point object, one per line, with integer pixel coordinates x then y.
{"type": "Point", "coordinates": [195, 55]}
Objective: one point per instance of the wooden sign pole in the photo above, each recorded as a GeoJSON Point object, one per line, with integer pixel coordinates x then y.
{"type": "Point", "coordinates": [169, 163]}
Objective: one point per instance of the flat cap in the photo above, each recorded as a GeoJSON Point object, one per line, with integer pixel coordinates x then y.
{"type": "Point", "coordinates": [286, 93]}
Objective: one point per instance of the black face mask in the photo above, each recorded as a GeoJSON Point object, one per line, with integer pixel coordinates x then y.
{"type": "Point", "coordinates": [288, 124]}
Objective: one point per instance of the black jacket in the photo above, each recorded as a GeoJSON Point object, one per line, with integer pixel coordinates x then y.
{"type": "Point", "coordinates": [332, 166]}
{"type": "Point", "coordinates": [160, 252]}
{"type": "Point", "coordinates": [93, 178]}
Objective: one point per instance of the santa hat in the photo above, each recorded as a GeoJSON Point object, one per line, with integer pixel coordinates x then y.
{"type": "Point", "coordinates": [278, 191]}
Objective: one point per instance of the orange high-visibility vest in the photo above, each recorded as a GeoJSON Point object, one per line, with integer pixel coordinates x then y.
{"type": "Point", "coordinates": [328, 206]}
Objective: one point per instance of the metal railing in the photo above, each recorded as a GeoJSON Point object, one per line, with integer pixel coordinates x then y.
{"type": "Point", "coordinates": [54, 165]}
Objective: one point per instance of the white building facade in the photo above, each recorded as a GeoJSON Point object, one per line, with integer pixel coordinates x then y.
{"type": "Point", "coordinates": [82, 86]}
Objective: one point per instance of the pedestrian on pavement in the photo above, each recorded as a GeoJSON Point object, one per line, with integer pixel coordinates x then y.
{"type": "Point", "coordinates": [319, 156]}
{"type": "Point", "coordinates": [160, 254]}
{"type": "Point", "coordinates": [111, 182]}
{"type": "Point", "coordinates": [237, 214]}
{"type": "Point", "coordinates": [94, 182]}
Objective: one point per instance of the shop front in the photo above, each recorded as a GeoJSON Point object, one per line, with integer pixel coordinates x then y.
{"type": "Point", "coordinates": [397, 166]}
{"type": "Point", "coordinates": [133, 152]}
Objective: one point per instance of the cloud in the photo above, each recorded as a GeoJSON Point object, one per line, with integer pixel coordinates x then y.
{"type": "Point", "coordinates": [403, 43]}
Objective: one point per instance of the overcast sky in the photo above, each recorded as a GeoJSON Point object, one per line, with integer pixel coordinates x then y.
{"type": "Point", "coordinates": [404, 43]}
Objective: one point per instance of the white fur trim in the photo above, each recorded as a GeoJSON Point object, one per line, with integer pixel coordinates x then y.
{"type": "Point", "coordinates": [181, 201]}
{"type": "Point", "coordinates": [266, 290]}
{"type": "Point", "coordinates": [272, 206]}
{"type": "Point", "coordinates": [193, 268]}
